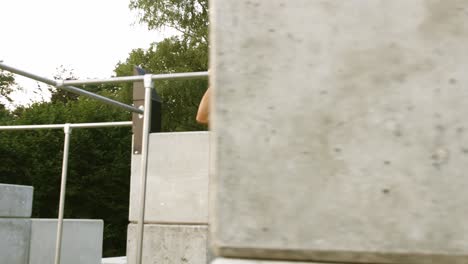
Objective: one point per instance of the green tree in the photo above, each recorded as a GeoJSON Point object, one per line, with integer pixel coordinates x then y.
{"type": "Point", "coordinates": [186, 52]}
{"type": "Point", "coordinates": [189, 17]}
{"type": "Point", "coordinates": [6, 85]}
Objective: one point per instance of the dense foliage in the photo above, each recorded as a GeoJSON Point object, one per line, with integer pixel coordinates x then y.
{"type": "Point", "coordinates": [6, 83]}
{"type": "Point", "coordinates": [99, 165]}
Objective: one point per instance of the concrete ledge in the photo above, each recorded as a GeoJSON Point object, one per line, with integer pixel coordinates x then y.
{"type": "Point", "coordinates": [248, 261]}
{"type": "Point", "coordinates": [81, 242]}
{"type": "Point", "coordinates": [14, 240]}
{"type": "Point", "coordinates": [15, 201]}
{"type": "Point", "coordinates": [177, 184]}
{"type": "Point", "coordinates": [115, 260]}
{"type": "Point", "coordinates": [170, 244]}
{"type": "Point", "coordinates": [343, 256]}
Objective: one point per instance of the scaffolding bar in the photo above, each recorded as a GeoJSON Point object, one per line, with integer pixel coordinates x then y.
{"type": "Point", "coordinates": [139, 78]}
{"type": "Point", "coordinates": [63, 186]}
{"type": "Point", "coordinates": [60, 126]}
{"type": "Point", "coordinates": [149, 85]}
{"type": "Point", "coordinates": [62, 85]}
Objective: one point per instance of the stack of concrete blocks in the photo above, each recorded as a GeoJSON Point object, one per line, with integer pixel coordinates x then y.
{"type": "Point", "coordinates": [32, 241]}
{"type": "Point", "coordinates": [340, 131]}
{"type": "Point", "coordinates": [15, 223]}
{"type": "Point", "coordinates": [176, 218]}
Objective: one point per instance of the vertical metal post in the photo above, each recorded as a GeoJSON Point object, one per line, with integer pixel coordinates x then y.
{"type": "Point", "coordinates": [66, 145]}
{"type": "Point", "coordinates": [148, 82]}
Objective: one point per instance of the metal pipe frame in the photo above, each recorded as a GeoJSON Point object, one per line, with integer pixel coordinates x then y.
{"type": "Point", "coordinates": [139, 78]}
{"type": "Point", "coordinates": [149, 85]}
{"type": "Point", "coordinates": [66, 147]}
{"type": "Point", "coordinates": [60, 84]}
{"type": "Point", "coordinates": [67, 128]}
{"type": "Point", "coordinates": [67, 84]}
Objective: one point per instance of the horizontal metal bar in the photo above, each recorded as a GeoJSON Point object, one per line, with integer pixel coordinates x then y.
{"type": "Point", "coordinates": [62, 85]}
{"type": "Point", "coordinates": [139, 78]}
{"type": "Point", "coordinates": [106, 124]}
{"type": "Point", "coordinates": [60, 126]}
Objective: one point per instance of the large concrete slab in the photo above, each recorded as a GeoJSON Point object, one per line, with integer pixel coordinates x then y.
{"type": "Point", "coordinates": [15, 201]}
{"type": "Point", "coordinates": [81, 241]}
{"type": "Point", "coordinates": [177, 183]}
{"type": "Point", "coordinates": [341, 130]}
{"type": "Point", "coordinates": [170, 244]}
{"type": "Point", "coordinates": [14, 240]}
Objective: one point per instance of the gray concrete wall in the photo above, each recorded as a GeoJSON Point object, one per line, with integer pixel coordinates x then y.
{"type": "Point", "coordinates": [340, 130]}
{"type": "Point", "coordinates": [81, 241]}
{"type": "Point", "coordinates": [15, 201]}
{"type": "Point", "coordinates": [177, 181]}
{"type": "Point", "coordinates": [14, 240]}
{"type": "Point", "coordinates": [170, 244]}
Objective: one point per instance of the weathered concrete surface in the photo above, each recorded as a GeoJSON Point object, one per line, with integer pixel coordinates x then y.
{"type": "Point", "coordinates": [177, 184]}
{"type": "Point", "coordinates": [115, 260]}
{"type": "Point", "coordinates": [15, 201]}
{"type": "Point", "coordinates": [170, 244]}
{"type": "Point", "coordinates": [249, 261]}
{"type": "Point", "coordinates": [81, 241]}
{"type": "Point", "coordinates": [341, 130]}
{"type": "Point", "coordinates": [14, 240]}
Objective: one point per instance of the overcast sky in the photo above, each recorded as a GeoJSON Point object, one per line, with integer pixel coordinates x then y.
{"type": "Point", "coordinates": [88, 36]}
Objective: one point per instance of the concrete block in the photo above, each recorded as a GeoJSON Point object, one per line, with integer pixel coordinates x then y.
{"type": "Point", "coordinates": [81, 241]}
{"type": "Point", "coordinates": [169, 244]}
{"type": "Point", "coordinates": [340, 130]}
{"type": "Point", "coordinates": [251, 261]}
{"type": "Point", "coordinates": [177, 183]}
{"type": "Point", "coordinates": [15, 201]}
{"type": "Point", "coordinates": [14, 240]}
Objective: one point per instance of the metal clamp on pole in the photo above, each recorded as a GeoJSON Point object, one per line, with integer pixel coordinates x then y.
{"type": "Point", "coordinates": [66, 146]}
{"type": "Point", "coordinates": [138, 102]}
{"type": "Point", "coordinates": [149, 85]}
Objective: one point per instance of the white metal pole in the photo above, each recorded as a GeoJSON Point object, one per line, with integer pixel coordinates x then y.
{"type": "Point", "coordinates": [66, 147]}
{"type": "Point", "coordinates": [148, 82]}
{"type": "Point", "coordinates": [167, 76]}
{"type": "Point", "coordinates": [78, 125]}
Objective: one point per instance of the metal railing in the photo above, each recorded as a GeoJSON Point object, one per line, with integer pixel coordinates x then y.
{"type": "Point", "coordinates": [148, 80]}
{"type": "Point", "coordinates": [67, 128]}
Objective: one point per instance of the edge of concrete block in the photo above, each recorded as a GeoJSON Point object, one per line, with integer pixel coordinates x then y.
{"type": "Point", "coordinates": [256, 261]}
{"type": "Point", "coordinates": [338, 256]}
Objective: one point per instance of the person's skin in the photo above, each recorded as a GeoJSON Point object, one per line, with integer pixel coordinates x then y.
{"type": "Point", "coordinates": [203, 115]}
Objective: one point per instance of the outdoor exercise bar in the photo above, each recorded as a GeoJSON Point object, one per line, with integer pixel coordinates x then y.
{"type": "Point", "coordinates": [139, 78]}
{"type": "Point", "coordinates": [71, 89]}
{"type": "Point", "coordinates": [57, 126]}
{"type": "Point", "coordinates": [149, 85]}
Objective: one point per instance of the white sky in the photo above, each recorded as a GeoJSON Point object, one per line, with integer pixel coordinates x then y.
{"type": "Point", "coordinates": [88, 36]}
